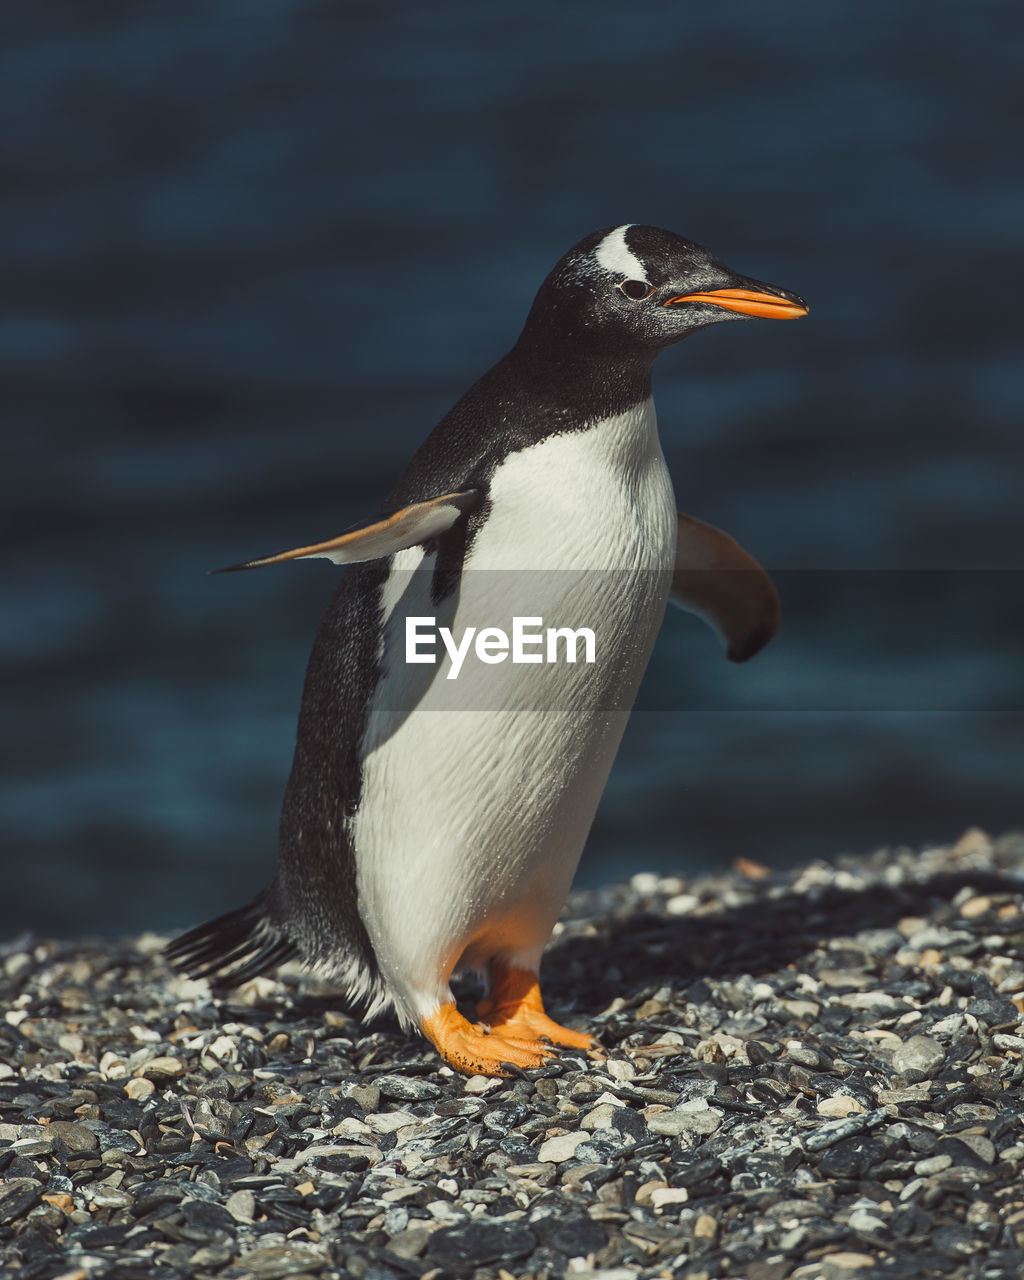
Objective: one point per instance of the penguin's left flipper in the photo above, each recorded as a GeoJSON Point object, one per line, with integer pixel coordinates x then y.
{"type": "Point", "coordinates": [408, 527]}
{"type": "Point", "coordinates": [723, 584]}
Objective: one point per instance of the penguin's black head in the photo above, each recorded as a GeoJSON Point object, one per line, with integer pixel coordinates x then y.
{"type": "Point", "coordinates": [635, 289]}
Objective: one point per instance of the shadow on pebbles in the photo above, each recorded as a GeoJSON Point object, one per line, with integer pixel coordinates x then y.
{"type": "Point", "coordinates": [813, 1075]}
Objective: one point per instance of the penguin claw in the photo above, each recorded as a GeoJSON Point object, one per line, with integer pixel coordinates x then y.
{"type": "Point", "coordinates": [474, 1050]}
{"type": "Point", "coordinates": [515, 1011]}
{"type": "Point", "coordinates": [544, 1031]}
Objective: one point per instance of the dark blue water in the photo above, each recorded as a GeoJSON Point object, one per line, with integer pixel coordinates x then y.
{"type": "Point", "coordinates": [251, 252]}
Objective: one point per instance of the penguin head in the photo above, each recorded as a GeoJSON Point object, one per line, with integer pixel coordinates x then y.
{"type": "Point", "coordinates": [634, 290]}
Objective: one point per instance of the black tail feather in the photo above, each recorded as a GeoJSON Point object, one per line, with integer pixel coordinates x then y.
{"type": "Point", "coordinates": [233, 948]}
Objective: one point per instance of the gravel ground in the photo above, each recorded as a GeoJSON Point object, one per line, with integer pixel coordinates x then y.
{"type": "Point", "coordinates": [812, 1075]}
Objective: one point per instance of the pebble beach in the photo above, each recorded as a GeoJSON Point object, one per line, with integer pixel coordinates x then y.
{"type": "Point", "coordinates": [806, 1075]}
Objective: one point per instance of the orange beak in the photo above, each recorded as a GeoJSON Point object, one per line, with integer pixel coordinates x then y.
{"type": "Point", "coordinates": [749, 302]}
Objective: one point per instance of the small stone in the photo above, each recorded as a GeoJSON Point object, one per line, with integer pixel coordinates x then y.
{"type": "Point", "coordinates": [258, 989]}
{"type": "Point", "coordinates": [407, 1088]}
{"type": "Point", "coordinates": [801, 1009]}
{"type": "Point", "coordinates": [563, 1147]}
{"type": "Point", "coordinates": [629, 1123]}
{"type": "Point", "coordinates": [863, 1220]}
{"type": "Point", "coordinates": [104, 1197]}
{"type": "Point", "coordinates": [212, 1256]}
{"type": "Point", "coordinates": [17, 963]}
{"type": "Point", "coordinates": [920, 1092]}
{"type": "Point", "coordinates": [644, 883]}
{"type": "Point", "coordinates": [973, 843]}
{"type": "Point", "coordinates": [276, 1261]}
{"type": "Point", "coordinates": [599, 1118]}
{"type": "Point", "coordinates": [705, 1228]}
{"type": "Point", "coordinates": [804, 1055]}
{"type": "Point", "coordinates": [461, 1248]}
{"type": "Point", "coordinates": [17, 1197]}
{"type": "Point", "coordinates": [241, 1205]}
{"type": "Point", "coordinates": [880, 1001]}
{"type": "Point", "coordinates": [932, 1164]}
{"type": "Point", "coordinates": [840, 1105]}
{"type": "Point", "coordinates": [851, 1158]}
{"type": "Point", "coordinates": [570, 1233]}
{"type": "Point", "coordinates": [409, 1243]}
{"type": "Point", "coordinates": [681, 904]}
{"type": "Point", "coordinates": [62, 1200]}
{"type": "Point", "coordinates": [834, 1131]}
{"type": "Point", "coordinates": [750, 869]}
{"type": "Point", "coordinates": [664, 1196]}
{"type": "Point", "coordinates": [975, 907]}
{"type": "Point", "coordinates": [534, 1172]}
{"type": "Point", "coordinates": [672, 1123]}
{"type": "Point", "coordinates": [365, 1096]}
{"type": "Point", "coordinates": [972, 1149]}
{"type": "Point", "coordinates": [620, 1069]}
{"type": "Point", "coordinates": [477, 1085]}
{"type": "Point", "coordinates": [954, 1241]}
{"type": "Point", "coordinates": [920, 1055]}
{"type": "Point", "coordinates": [846, 1261]}
{"type": "Point", "coordinates": [139, 1088]}
{"type": "Point", "coordinates": [389, 1121]}
{"type": "Point", "coordinates": [994, 1013]}
{"type": "Point", "coordinates": [76, 1136]}
{"type": "Point", "coordinates": [161, 1066]}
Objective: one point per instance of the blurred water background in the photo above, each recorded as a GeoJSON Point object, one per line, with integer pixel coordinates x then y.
{"type": "Point", "coordinates": [252, 251]}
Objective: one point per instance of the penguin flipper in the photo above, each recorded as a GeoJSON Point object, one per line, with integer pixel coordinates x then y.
{"type": "Point", "coordinates": [407, 527]}
{"type": "Point", "coordinates": [723, 584]}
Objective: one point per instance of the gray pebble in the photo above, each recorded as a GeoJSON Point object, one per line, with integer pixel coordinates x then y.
{"type": "Point", "coordinates": [673, 1123]}
{"type": "Point", "coordinates": [241, 1205]}
{"type": "Point", "coordinates": [920, 1056]}
{"type": "Point", "coordinates": [76, 1136]}
{"type": "Point", "coordinates": [365, 1096]}
{"type": "Point", "coordinates": [561, 1147]}
{"type": "Point", "coordinates": [105, 1197]}
{"type": "Point", "coordinates": [277, 1261]}
{"type": "Point", "coordinates": [406, 1088]}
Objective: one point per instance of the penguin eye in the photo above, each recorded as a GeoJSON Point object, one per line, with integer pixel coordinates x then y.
{"type": "Point", "coordinates": [636, 289]}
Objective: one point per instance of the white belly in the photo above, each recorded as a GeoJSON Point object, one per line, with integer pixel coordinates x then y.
{"type": "Point", "coordinates": [478, 793]}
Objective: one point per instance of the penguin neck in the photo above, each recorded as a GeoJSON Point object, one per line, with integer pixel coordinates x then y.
{"type": "Point", "coordinates": [585, 382]}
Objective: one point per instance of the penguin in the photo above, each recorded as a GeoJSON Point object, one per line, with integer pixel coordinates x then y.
{"type": "Point", "coordinates": [432, 825]}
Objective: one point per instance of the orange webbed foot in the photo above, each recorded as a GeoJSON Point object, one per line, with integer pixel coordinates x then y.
{"type": "Point", "coordinates": [515, 1009]}
{"type": "Point", "coordinates": [474, 1050]}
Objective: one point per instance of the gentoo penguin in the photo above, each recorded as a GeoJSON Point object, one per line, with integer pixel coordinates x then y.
{"type": "Point", "coordinates": [441, 794]}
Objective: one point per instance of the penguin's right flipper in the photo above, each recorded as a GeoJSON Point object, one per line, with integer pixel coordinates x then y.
{"type": "Point", "coordinates": [719, 581]}
{"type": "Point", "coordinates": [407, 527]}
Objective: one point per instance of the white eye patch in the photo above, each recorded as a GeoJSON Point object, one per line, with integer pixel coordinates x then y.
{"type": "Point", "coordinates": [616, 257]}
